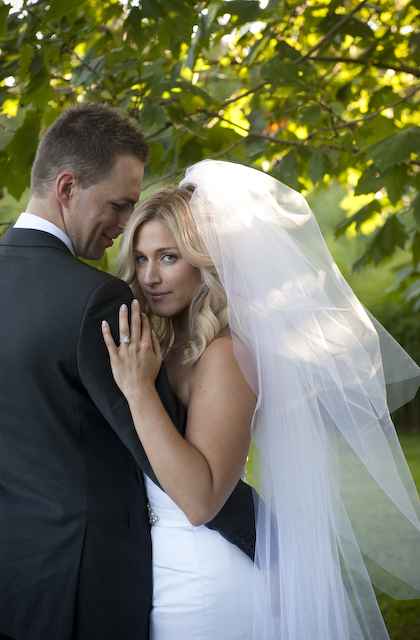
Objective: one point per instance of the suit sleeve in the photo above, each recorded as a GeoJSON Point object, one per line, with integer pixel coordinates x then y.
{"type": "Point", "coordinates": [236, 519]}
{"type": "Point", "coordinates": [96, 374]}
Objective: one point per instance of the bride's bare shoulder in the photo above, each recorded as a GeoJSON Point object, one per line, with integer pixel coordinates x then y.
{"type": "Point", "coordinates": [220, 347]}
{"type": "Point", "coordinates": [218, 367]}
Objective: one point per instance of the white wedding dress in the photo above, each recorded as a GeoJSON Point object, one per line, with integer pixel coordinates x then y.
{"type": "Point", "coordinates": [202, 584]}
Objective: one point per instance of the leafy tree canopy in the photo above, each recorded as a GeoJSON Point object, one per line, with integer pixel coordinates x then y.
{"type": "Point", "coordinates": [312, 91]}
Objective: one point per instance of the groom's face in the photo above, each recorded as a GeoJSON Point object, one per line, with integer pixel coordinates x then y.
{"type": "Point", "coordinates": [96, 215]}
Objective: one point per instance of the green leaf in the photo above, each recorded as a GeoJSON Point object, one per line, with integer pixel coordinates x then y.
{"type": "Point", "coordinates": [311, 115]}
{"type": "Point", "coordinates": [352, 26]}
{"type": "Point", "coordinates": [415, 209]}
{"type": "Point", "coordinates": [156, 158]}
{"type": "Point", "coordinates": [21, 152]}
{"type": "Point", "coordinates": [358, 218]}
{"type": "Point", "coordinates": [374, 131]}
{"type": "Point", "coordinates": [89, 71]}
{"type": "Point", "coordinates": [287, 170]}
{"type": "Point", "coordinates": [152, 117]}
{"type": "Point", "coordinates": [4, 12]}
{"type": "Point", "coordinates": [246, 10]}
{"type": "Point", "coordinates": [67, 8]}
{"type": "Point", "coordinates": [401, 275]}
{"type": "Point", "coordinates": [413, 291]}
{"type": "Point", "coordinates": [382, 97]}
{"type": "Point", "coordinates": [318, 165]}
{"type": "Point", "coordinates": [281, 72]}
{"type": "Point", "coordinates": [384, 242]}
{"type": "Point", "coordinates": [357, 28]}
{"type": "Point", "coordinates": [8, 128]}
{"type": "Point", "coordinates": [191, 151]}
{"type": "Point", "coordinates": [26, 55]}
{"type": "Point", "coordinates": [396, 148]}
{"type": "Point", "coordinates": [219, 138]}
{"type": "Point", "coordinates": [133, 27]}
{"type": "Point", "coordinates": [415, 247]}
{"type": "Point", "coordinates": [344, 93]}
{"type": "Point", "coordinates": [395, 182]}
{"type": "Point", "coordinates": [370, 181]}
{"type": "Point", "coordinates": [152, 9]}
{"type": "Point", "coordinates": [38, 90]}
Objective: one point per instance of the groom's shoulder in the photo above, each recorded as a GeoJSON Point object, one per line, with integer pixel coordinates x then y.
{"type": "Point", "coordinates": [90, 278]}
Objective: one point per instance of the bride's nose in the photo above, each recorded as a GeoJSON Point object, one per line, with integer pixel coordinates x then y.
{"type": "Point", "coordinates": [152, 273]}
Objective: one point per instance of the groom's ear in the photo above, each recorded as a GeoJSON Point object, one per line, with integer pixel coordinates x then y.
{"type": "Point", "coordinates": [65, 184]}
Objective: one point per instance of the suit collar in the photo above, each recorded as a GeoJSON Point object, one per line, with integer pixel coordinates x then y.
{"type": "Point", "coordinates": [28, 220]}
{"type": "Point", "coordinates": [32, 238]}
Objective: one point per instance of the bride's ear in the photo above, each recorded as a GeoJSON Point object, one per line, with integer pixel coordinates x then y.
{"type": "Point", "coordinates": [189, 187]}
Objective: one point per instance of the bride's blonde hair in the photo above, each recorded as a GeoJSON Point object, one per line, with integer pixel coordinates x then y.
{"type": "Point", "coordinates": [208, 310]}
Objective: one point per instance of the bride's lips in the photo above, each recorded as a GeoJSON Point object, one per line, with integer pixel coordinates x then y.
{"type": "Point", "coordinates": [156, 297]}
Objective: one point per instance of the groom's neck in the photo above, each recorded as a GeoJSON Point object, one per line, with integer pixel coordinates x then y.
{"type": "Point", "coordinates": [45, 208]}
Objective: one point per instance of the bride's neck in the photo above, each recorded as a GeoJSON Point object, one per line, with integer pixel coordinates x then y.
{"type": "Point", "coordinates": [180, 324]}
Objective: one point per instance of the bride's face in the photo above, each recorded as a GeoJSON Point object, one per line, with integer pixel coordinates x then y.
{"type": "Point", "coordinates": [166, 279]}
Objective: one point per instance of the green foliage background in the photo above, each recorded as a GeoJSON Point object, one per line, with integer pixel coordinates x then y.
{"type": "Point", "coordinates": [322, 94]}
{"type": "Point", "coordinates": [311, 91]}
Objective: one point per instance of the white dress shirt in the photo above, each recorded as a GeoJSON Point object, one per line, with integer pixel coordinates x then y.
{"type": "Point", "coordinates": [28, 220]}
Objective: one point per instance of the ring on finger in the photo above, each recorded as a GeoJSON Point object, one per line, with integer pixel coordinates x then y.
{"type": "Point", "coordinates": [125, 340]}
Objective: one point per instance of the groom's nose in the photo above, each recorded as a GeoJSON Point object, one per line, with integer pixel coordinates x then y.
{"type": "Point", "coordinates": [123, 218]}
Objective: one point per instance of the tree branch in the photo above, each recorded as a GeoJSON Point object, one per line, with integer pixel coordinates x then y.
{"type": "Point", "coordinates": [177, 172]}
{"type": "Point", "coordinates": [352, 123]}
{"type": "Point", "coordinates": [290, 143]}
{"type": "Point", "coordinates": [328, 36]}
{"type": "Point", "coordinates": [244, 94]}
{"type": "Point", "coordinates": [367, 63]}
{"type": "Point", "coordinates": [168, 125]}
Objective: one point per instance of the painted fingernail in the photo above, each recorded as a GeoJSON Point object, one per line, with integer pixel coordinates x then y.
{"type": "Point", "coordinates": [123, 307]}
{"type": "Point", "coordinates": [135, 302]}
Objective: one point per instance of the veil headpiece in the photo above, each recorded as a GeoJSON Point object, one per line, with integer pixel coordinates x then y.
{"type": "Point", "coordinates": [339, 509]}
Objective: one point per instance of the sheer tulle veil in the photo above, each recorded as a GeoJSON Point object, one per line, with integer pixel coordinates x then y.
{"type": "Point", "coordinates": [338, 509]}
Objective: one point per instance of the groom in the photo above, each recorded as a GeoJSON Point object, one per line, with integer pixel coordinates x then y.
{"type": "Point", "coordinates": [75, 547]}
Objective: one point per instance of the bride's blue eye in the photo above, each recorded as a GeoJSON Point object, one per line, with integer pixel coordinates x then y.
{"type": "Point", "coordinates": [169, 258]}
{"type": "Point", "coordinates": [139, 259]}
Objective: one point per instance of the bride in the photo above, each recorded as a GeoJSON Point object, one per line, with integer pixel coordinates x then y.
{"type": "Point", "coordinates": [262, 338]}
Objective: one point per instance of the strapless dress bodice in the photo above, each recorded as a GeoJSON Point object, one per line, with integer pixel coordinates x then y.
{"type": "Point", "coordinates": [162, 509]}
{"type": "Point", "coordinates": [202, 584]}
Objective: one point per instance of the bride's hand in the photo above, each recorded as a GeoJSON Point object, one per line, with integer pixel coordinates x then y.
{"type": "Point", "coordinates": [136, 362]}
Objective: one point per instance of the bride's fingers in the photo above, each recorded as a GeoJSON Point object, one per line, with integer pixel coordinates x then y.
{"type": "Point", "coordinates": [109, 340]}
{"type": "Point", "coordinates": [146, 337]}
{"type": "Point", "coordinates": [135, 322]}
{"type": "Point", "coordinates": [156, 345]}
{"type": "Point", "coordinates": [123, 325]}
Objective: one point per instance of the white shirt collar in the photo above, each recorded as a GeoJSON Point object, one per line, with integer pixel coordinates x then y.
{"type": "Point", "coordinates": [28, 220]}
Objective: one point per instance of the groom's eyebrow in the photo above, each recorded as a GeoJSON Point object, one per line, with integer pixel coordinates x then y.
{"type": "Point", "coordinates": [124, 201]}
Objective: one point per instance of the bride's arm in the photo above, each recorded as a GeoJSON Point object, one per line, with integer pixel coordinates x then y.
{"type": "Point", "coordinates": [198, 472]}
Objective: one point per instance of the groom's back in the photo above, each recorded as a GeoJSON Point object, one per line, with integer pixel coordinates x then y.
{"type": "Point", "coordinates": [71, 498]}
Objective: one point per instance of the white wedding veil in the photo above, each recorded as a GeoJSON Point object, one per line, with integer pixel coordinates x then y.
{"type": "Point", "coordinates": [339, 509]}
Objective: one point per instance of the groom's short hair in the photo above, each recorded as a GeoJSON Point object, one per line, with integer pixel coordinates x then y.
{"type": "Point", "coordinates": [85, 139]}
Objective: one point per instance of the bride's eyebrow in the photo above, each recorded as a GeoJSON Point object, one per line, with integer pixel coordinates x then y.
{"type": "Point", "coordinates": [160, 250]}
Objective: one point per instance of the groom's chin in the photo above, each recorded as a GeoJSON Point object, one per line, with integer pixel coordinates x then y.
{"type": "Point", "coordinates": [92, 254]}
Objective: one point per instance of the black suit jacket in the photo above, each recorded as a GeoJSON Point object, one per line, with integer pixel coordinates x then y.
{"type": "Point", "coordinates": [75, 549]}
